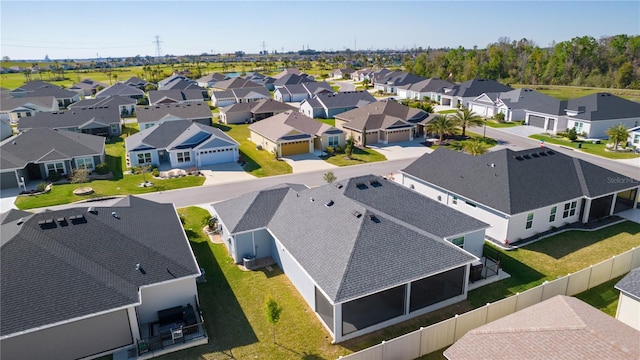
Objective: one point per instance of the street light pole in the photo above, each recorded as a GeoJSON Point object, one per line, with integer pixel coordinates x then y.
{"type": "Point", "coordinates": [484, 129]}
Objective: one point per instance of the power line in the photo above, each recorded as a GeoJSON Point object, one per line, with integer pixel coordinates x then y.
{"type": "Point", "coordinates": [158, 48]}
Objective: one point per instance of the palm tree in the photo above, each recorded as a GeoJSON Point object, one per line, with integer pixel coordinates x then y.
{"type": "Point", "coordinates": [475, 147]}
{"type": "Point", "coordinates": [465, 118]}
{"type": "Point", "coordinates": [442, 125]}
{"type": "Point", "coordinates": [617, 134]}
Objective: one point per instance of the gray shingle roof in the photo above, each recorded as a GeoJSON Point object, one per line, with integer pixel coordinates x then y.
{"type": "Point", "coordinates": [156, 96]}
{"type": "Point", "coordinates": [531, 100]}
{"type": "Point", "coordinates": [475, 87]}
{"type": "Point", "coordinates": [235, 83]}
{"type": "Point", "coordinates": [507, 181]}
{"type": "Point", "coordinates": [630, 284]}
{"type": "Point", "coordinates": [603, 106]}
{"type": "Point", "coordinates": [350, 256]}
{"type": "Point", "coordinates": [39, 144]}
{"type": "Point", "coordinates": [369, 116]}
{"type": "Point", "coordinates": [57, 274]}
{"type": "Point", "coordinates": [256, 107]}
{"type": "Point", "coordinates": [562, 327]}
{"type": "Point", "coordinates": [119, 89]}
{"type": "Point", "coordinates": [81, 118]}
{"type": "Point", "coordinates": [7, 104]}
{"type": "Point", "coordinates": [213, 76]}
{"type": "Point", "coordinates": [399, 78]}
{"type": "Point", "coordinates": [431, 84]}
{"type": "Point", "coordinates": [154, 113]}
{"type": "Point", "coordinates": [173, 133]}
{"type": "Point", "coordinates": [87, 84]}
{"type": "Point", "coordinates": [344, 99]}
{"type": "Point", "coordinates": [112, 101]}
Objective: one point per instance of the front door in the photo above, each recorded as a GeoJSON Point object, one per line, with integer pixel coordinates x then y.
{"type": "Point", "coordinates": [551, 124]}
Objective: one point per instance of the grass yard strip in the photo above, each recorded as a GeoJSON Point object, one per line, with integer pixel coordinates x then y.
{"type": "Point", "coordinates": [232, 302]}
{"type": "Point", "coordinates": [603, 297]}
{"type": "Point", "coordinates": [564, 92]}
{"type": "Point", "coordinates": [331, 121]}
{"type": "Point", "coordinates": [452, 111]}
{"type": "Point", "coordinates": [495, 124]}
{"type": "Point", "coordinates": [588, 147]}
{"type": "Point", "coordinates": [359, 156]}
{"type": "Point", "coordinates": [260, 163]}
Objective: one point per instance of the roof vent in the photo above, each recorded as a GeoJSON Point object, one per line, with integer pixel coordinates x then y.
{"type": "Point", "coordinates": [535, 155]}
{"type": "Point", "coordinates": [139, 268]}
{"type": "Point", "coordinates": [329, 203]}
{"type": "Point", "coordinates": [14, 142]}
{"type": "Point", "coordinates": [61, 221]}
{"type": "Point", "coordinates": [374, 218]}
{"type": "Point", "coordinates": [527, 157]}
{"type": "Point", "coordinates": [542, 153]}
{"type": "Point", "coordinates": [356, 214]}
{"type": "Point", "coordinates": [339, 186]}
{"type": "Point", "coordinates": [77, 219]}
{"type": "Point", "coordinates": [47, 224]}
{"type": "Point", "coordinates": [519, 158]}
{"type": "Point", "coordinates": [92, 210]}
{"type": "Point", "coordinates": [551, 152]}
{"type": "Point", "coordinates": [115, 215]}
{"type": "Point", "coordinates": [491, 165]}
{"type": "Point", "coordinates": [20, 221]}
{"type": "Point", "coordinates": [312, 199]}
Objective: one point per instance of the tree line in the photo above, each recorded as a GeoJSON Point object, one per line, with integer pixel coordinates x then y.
{"type": "Point", "coordinates": [612, 61]}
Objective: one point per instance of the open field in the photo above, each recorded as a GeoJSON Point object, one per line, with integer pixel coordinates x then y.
{"type": "Point", "coordinates": [571, 92]}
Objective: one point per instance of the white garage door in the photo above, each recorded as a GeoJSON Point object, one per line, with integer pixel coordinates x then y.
{"type": "Point", "coordinates": [479, 109]}
{"type": "Point", "coordinates": [216, 156]}
{"type": "Point", "coordinates": [537, 121]}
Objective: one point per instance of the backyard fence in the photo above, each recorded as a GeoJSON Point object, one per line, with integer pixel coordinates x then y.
{"type": "Point", "coordinates": [437, 336]}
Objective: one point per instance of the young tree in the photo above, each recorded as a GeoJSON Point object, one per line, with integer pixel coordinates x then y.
{"type": "Point", "coordinates": [465, 117]}
{"type": "Point", "coordinates": [144, 169]}
{"type": "Point", "coordinates": [442, 125]}
{"type": "Point", "coordinates": [618, 134]}
{"type": "Point", "coordinates": [272, 311]}
{"type": "Point", "coordinates": [330, 177]}
{"type": "Point", "coordinates": [80, 176]}
{"type": "Point", "coordinates": [348, 148]}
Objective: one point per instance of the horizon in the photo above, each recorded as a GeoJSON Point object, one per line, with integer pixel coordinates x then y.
{"type": "Point", "coordinates": [322, 26]}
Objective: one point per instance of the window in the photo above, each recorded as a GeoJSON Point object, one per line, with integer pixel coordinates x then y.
{"type": "Point", "coordinates": [184, 156]}
{"type": "Point", "coordinates": [146, 126]}
{"type": "Point", "coordinates": [636, 139]}
{"type": "Point", "coordinates": [115, 129]}
{"type": "Point", "coordinates": [455, 200]}
{"type": "Point", "coordinates": [334, 140]}
{"type": "Point", "coordinates": [459, 241]}
{"type": "Point", "coordinates": [529, 221]}
{"type": "Point", "coordinates": [57, 167]}
{"type": "Point", "coordinates": [470, 203]}
{"type": "Point", "coordinates": [569, 209]}
{"type": "Point", "coordinates": [579, 126]}
{"type": "Point", "coordinates": [85, 163]}
{"type": "Point", "coordinates": [144, 158]}
{"type": "Point", "coordinates": [552, 215]}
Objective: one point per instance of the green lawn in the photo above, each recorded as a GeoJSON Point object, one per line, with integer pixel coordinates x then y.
{"type": "Point", "coordinates": [260, 163]}
{"type": "Point", "coordinates": [359, 156]}
{"type": "Point", "coordinates": [603, 297]}
{"type": "Point", "coordinates": [594, 149]}
{"type": "Point", "coordinates": [458, 144]}
{"type": "Point", "coordinates": [232, 302]}
{"type": "Point", "coordinates": [495, 124]}
{"type": "Point", "coordinates": [331, 121]}
{"type": "Point", "coordinates": [452, 111]}
{"type": "Point", "coordinates": [572, 92]}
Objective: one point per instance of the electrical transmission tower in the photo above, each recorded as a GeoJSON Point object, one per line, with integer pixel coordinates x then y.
{"type": "Point", "coordinates": [158, 47]}
{"type": "Point", "coordinates": [264, 48]}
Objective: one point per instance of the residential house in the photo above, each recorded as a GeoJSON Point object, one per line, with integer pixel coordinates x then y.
{"type": "Point", "coordinates": [13, 109]}
{"type": "Point", "coordinates": [521, 193]}
{"type": "Point", "coordinates": [158, 97]}
{"type": "Point", "coordinates": [593, 114]}
{"type": "Point", "coordinates": [458, 95]}
{"type": "Point", "coordinates": [364, 253]}
{"type": "Point", "coordinates": [634, 137]}
{"type": "Point", "coordinates": [629, 300]}
{"type": "Point", "coordinates": [149, 116]}
{"type": "Point", "coordinates": [234, 83]}
{"type": "Point", "coordinates": [361, 74]}
{"type": "Point", "coordinates": [560, 327]}
{"type": "Point", "coordinates": [425, 89]}
{"type": "Point", "coordinates": [343, 73]}
{"type": "Point", "coordinates": [5, 129]}
{"type": "Point", "coordinates": [120, 89]}
{"type": "Point", "coordinates": [239, 95]}
{"type": "Point", "coordinates": [105, 280]}
{"type": "Point", "coordinates": [175, 77]}
{"type": "Point", "coordinates": [328, 105]}
{"type": "Point", "coordinates": [299, 92]}
{"type": "Point", "coordinates": [37, 88]}
{"type": "Point", "coordinates": [180, 144]}
{"type": "Point", "coordinates": [378, 75]}
{"type": "Point", "coordinates": [103, 121]}
{"type": "Point", "coordinates": [291, 133]}
{"type": "Point", "coordinates": [136, 82]}
{"type": "Point", "coordinates": [514, 104]}
{"type": "Point", "coordinates": [32, 154]}
{"type": "Point", "coordinates": [383, 122]}
{"type": "Point", "coordinates": [126, 106]}
{"type": "Point", "coordinates": [88, 87]}
{"type": "Point", "coordinates": [185, 85]}
{"type": "Point", "coordinates": [249, 112]}
{"type": "Point", "coordinates": [390, 82]}
{"type": "Point", "coordinates": [210, 80]}
{"type": "Point", "coordinates": [291, 79]}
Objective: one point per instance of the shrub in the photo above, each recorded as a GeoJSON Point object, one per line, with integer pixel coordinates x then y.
{"type": "Point", "coordinates": [80, 176]}
{"type": "Point", "coordinates": [53, 176]}
{"type": "Point", "coordinates": [572, 134]}
{"type": "Point", "coordinates": [102, 169]}
{"type": "Point", "coordinates": [499, 117]}
{"type": "Point", "coordinates": [331, 150]}
{"type": "Point", "coordinates": [155, 172]}
{"type": "Point", "coordinates": [41, 186]}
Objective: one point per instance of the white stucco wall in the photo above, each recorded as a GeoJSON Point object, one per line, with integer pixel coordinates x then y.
{"type": "Point", "coordinates": [473, 242]}
{"type": "Point", "coordinates": [517, 224]}
{"type": "Point", "coordinates": [597, 129]}
{"type": "Point", "coordinates": [628, 311]}
{"type": "Point", "coordinates": [296, 274]}
{"type": "Point", "coordinates": [133, 156]}
{"type": "Point", "coordinates": [166, 295]}
{"type": "Point", "coordinates": [173, 158]}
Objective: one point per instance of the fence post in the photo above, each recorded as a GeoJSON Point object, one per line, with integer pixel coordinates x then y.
{"type": "Point", "coordinates": [590, 272]}
{"type": "Point", "coordinates": [517, 295]}
{"type": "Point", "coordinates": [383, 346]}
{"type": "Point", "coordinates": [420, 342]}
{"type": "Point", "coordinates": [486, 314]}
{"type": "Point", "coordinates": [455, 328]}
{"type": "Point", "coordinates": [566, 287]}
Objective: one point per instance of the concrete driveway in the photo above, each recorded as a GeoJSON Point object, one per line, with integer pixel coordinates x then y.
{"type": "Point", "coordinates": [307, 162]}
{"type": "Point", "coordinates": [631, 214]}
{"type": "Point", "coordinates": [523, 130]}
{"type": "Point", "coordinates": [402, 150]}
{"type": "Point", "coordinates": [224, 173]}
{"type": "Point", "coordinates": [7, 199]}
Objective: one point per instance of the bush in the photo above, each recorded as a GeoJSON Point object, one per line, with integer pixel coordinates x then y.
{"type": "Point", "coordinates": [572, 134]}
{"type": "Point", "coordinates": [155, 172]}
{"type": "Point", "coordinates": [41, 186]}
{"type": "Point", "coordinates": [80, 176]}
{"type": "Point", "coordinates": [102, 169]}
{"type": "Point", "coordinates": [53, 176]}
{"type": "Point", "coordinates": [499, 117]}
{"type": "Point", "coordinates": [331, 150]}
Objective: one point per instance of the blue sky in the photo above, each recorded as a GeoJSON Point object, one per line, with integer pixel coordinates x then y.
{"type": "Point", "coordinates": [83, 29]}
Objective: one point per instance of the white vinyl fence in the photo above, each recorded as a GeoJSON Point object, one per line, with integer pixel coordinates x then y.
{"type": "Point", "coordinates": [445, 333]}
